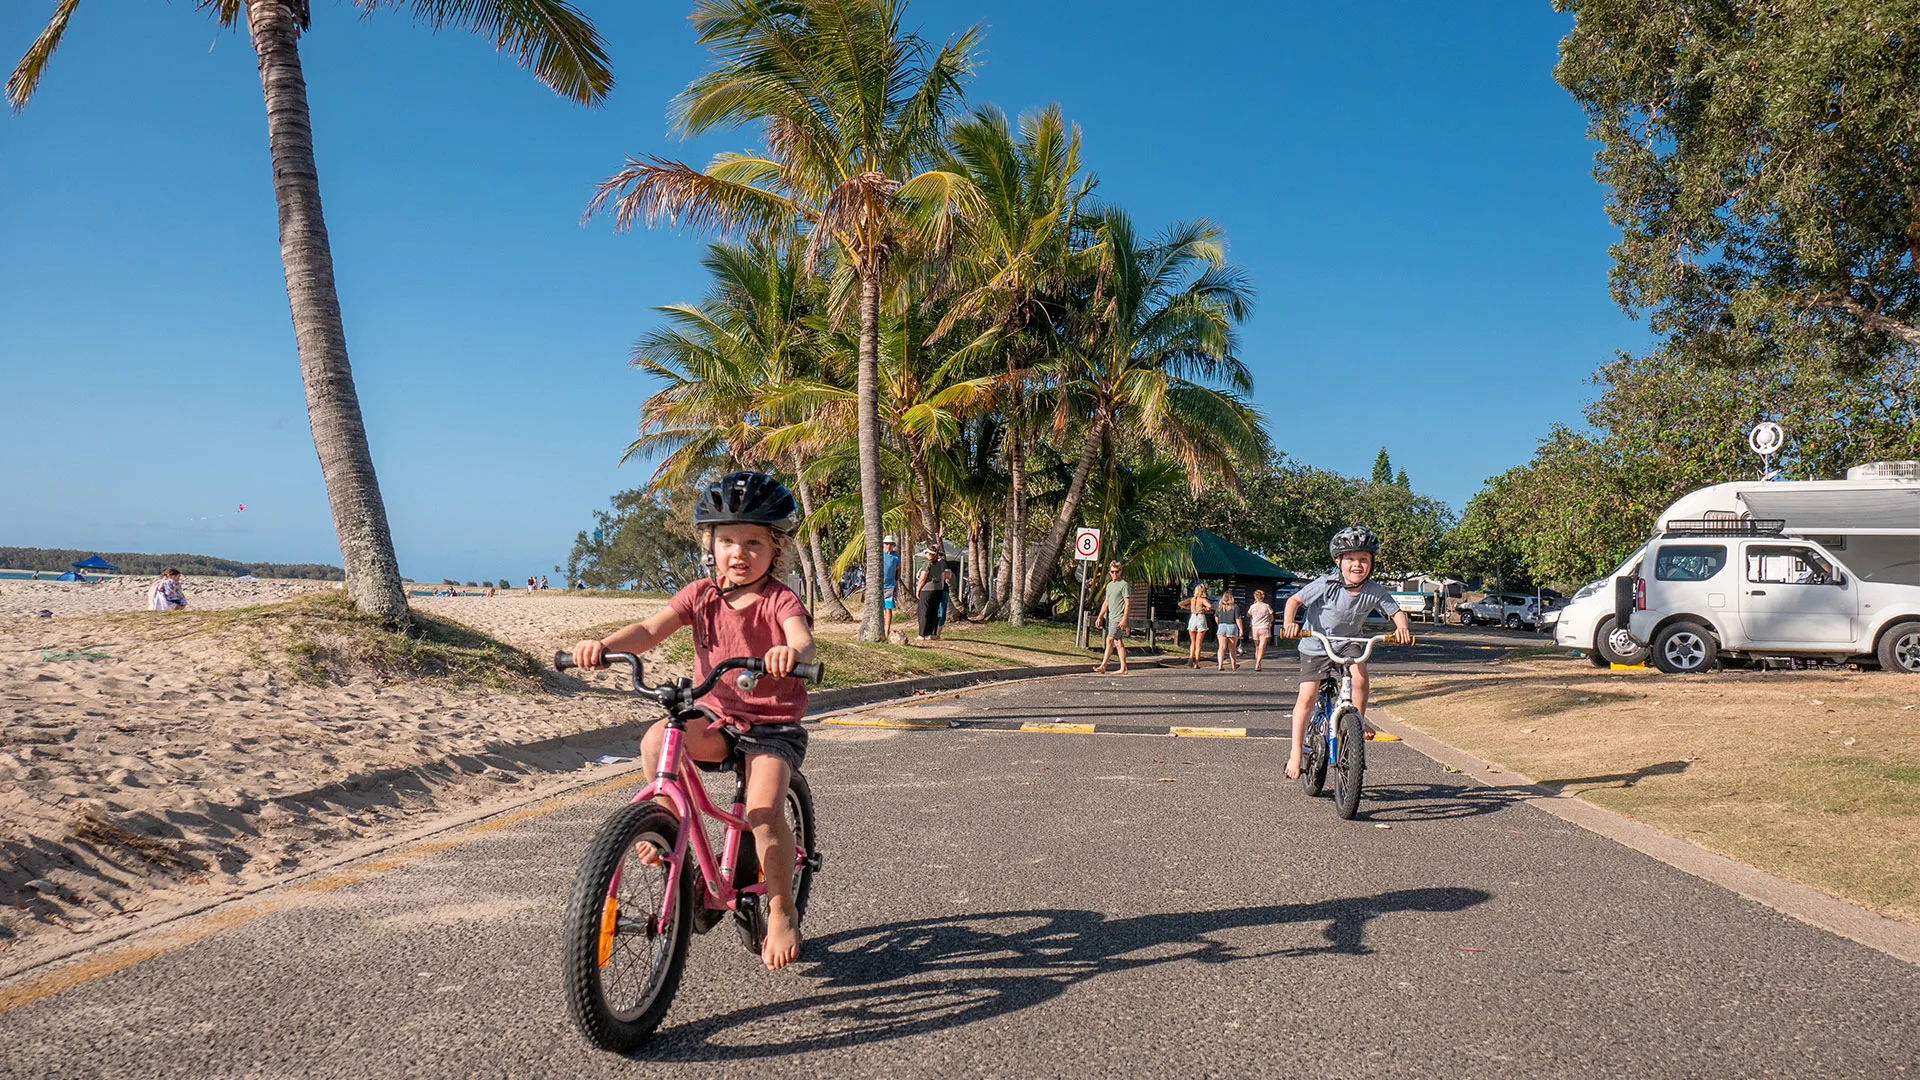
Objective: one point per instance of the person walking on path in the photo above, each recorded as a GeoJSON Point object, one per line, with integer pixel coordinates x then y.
{"type": "Point", "coordinates": [889, 585]}
{"type": "Point", "coordinates": [1115, 606]}
{"type": "Point", "coordinates": [1260, 618]}
{"type": "Point", "coordinates": [1197, 606]}
{"type": "Point", "coordinates": [167, 593]}
{"type": "Point", "coordinates": [946, 598]}
{"type": "Point", "coordinates": [931, 590]}
{"type": "Point", "coordinates": [1226, 617]}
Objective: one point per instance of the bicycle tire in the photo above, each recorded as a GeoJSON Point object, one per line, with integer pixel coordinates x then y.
{"type": "Point", "coordinates": [1352, 763]}
{"type": "Point", "coordinates": [799, 811]}
{"type": "Point", "coordinates": [599, 1021]}
{"type": "Point", "coordinates": [1313, 757]}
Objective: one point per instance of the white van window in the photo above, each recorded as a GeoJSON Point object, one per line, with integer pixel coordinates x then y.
{"type": "Point", "coordinates": [1689, 562]}
{"type": "Point", "coordinates": [1770, 565]}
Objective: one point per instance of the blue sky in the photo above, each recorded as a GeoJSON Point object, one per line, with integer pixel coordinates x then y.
{"type": "Point", "coordinates": [1409, 189]}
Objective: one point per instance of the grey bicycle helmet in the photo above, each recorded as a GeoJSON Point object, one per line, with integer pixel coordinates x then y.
{"type": "Point", "coordinates": [748, 498]}
{"type": "Point", "coordinates": [1354, 538]}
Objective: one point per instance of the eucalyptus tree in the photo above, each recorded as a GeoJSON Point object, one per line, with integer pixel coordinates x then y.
{"type": "Point", "coordinates": [717, 362]}
{"type": "Point", "coordinates": [548, 37]}
{"type": "Point", "coordinates": [1157, 366]}
{"type": "Point", "coordinates": [1016, 253]}
{"type": "Point", "coordinates": [853, 108]}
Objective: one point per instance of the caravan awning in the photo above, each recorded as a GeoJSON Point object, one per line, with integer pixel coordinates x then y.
{"type": "Point", "coordinates": [1840, 513]}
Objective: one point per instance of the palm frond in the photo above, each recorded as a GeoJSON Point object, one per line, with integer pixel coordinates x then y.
{"type": "Point", "coordinates": [550, 38]}
{"type": "Point", "coordinates": [33, 64]}
{"type": "Point", "coordinates": [656, 189]}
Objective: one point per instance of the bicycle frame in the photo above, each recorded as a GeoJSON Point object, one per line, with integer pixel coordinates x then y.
{"type": "Point", "coordinates": [691, 804]}
{"type": "Point", "coordinates": [1345, 699]}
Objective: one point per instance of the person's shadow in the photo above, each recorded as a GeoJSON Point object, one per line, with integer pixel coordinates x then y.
{"type": "Point", "coordinates": [874, 985]}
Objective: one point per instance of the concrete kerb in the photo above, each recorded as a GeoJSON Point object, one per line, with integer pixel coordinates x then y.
{"type": "Point", "coordinates": [1789, 898]}
{"type": "Point", "coordinates": [821, 705]}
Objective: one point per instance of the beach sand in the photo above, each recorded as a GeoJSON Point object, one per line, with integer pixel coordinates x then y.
{"type": "Point", "coordinates": [145, 768]}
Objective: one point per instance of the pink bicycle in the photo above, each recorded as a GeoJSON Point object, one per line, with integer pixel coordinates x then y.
{"type": "Point", "coordinates": [629, 920]}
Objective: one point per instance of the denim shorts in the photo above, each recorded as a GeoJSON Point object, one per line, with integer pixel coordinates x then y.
{"type": "Point", "coordinates": [788, 742]}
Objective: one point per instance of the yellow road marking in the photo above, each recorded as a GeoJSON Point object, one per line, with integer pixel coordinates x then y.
{"type": "Point", "coordinates": [883, 722]}
{"type": "Point", "coordinates": [1073, 729]}
{"type": "Point", "coordinates": [1642, 666]}
{"type": "Point", "coordinates": [1210, 732]}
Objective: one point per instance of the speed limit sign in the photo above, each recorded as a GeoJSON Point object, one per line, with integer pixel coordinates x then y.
{"type": "Point", "coordinates": [1086, 543]}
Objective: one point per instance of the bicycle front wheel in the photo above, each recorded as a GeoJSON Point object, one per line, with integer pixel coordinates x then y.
{"type": "Point", "coordinates": [1352, 763]}
{"type": "Point", "coordinates": [625, 949]}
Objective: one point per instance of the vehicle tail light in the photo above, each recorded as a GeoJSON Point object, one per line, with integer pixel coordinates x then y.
{"type": "Point", "coordinates": [1639, 594]}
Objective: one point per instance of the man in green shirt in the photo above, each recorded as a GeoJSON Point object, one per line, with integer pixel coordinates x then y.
{"type": "Point", "coordinates": [1115, 605]}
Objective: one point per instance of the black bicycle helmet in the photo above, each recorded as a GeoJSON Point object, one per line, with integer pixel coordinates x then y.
{"type": "Point", "coordinates": [1354, 538]}
{"type": "Point", "coordinates": [748, 498]}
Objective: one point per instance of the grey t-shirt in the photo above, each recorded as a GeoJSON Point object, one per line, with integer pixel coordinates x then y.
{"type": "Point", "coordinates": [1327, 606]}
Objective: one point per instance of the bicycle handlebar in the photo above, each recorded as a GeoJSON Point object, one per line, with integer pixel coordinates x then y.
{"type": "Point", "coordinates": [1330, 642]}
{"type": "Point", "coordinates": [753, 665]}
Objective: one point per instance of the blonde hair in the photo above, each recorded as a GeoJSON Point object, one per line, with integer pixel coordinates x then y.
{"type": "Point", "coordinates": [1199, 591]}
{"type": "Point", "coordinates": [1259, 594]}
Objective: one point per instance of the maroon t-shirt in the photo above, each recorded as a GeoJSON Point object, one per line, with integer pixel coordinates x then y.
{"type": "Point", "coordinates": [720, 632]}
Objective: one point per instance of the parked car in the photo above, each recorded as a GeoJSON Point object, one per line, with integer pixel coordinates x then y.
{"type": "Point", "coordinates": [1588, 622]}
{"type": "Point", "coordinates": [1742, 589]}
{"type": "Point", "coordinates": [1513, 610]}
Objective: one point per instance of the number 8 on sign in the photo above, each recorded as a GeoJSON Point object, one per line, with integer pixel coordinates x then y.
{"type": "Point", "coordinates": [1086, 543]}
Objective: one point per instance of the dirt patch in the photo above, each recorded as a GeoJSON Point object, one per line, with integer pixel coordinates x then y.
{"type": "Point", "coordinates": [1814, 776]}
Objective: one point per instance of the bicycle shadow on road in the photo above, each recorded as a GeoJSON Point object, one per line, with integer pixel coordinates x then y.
{"type": "Point", "coordinates": [929, 975]}
{"type": "Point", "coordinates": [1436, 802]}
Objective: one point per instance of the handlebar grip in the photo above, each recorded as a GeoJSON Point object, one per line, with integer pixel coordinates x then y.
{"type": "Point", "coordinates": [562, 661]}
{"type": "Point", "coordinates": [812, 673]}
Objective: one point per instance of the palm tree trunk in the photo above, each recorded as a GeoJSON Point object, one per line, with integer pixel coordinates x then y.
{"type": "Point", "coordinates": [1047, 557]}
{"type": "Point", "coordinates": [333, 409]}
{"type": "Point", "coordinates": [1017, 525]}
{"type": "Point", "coordinates": [979, 531]}
{"type": "Point", "coordinates": [869, 422]}
{"type": "Point", "coordinates": [829, 588]}
{"type": "Point", "coordinates": [1002, 567]}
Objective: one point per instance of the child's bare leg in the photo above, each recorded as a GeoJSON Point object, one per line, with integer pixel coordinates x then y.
{"type": "Point", "coordinates": [1360, 683]}
{"type": "Point", "coordinates": [1259, 652]}
{"type": "Point", "coordinates": [773, 838]}
{"type": "Point", "coordinates": [1302, 708]}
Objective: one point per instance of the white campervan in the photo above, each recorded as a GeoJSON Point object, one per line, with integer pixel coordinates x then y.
{"type": "Point", "coordinates": [1814, 569]}
{"type": "Point", "coordinates": [1588, 622]}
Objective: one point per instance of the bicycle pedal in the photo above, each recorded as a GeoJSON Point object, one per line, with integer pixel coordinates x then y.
{"type": "Point", "coordinates": [814, 860]}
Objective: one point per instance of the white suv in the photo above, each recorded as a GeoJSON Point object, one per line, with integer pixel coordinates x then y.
{"type": "Point", "coordinates": [1749, 594]}
{"type": "Point", "coordinates": [1589, 623]}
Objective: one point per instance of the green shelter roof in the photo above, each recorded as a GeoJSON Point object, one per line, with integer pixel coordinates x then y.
{"type": "Point", "coordinates": [1215, 556]}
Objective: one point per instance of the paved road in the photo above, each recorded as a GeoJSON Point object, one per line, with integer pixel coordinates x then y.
{"type": "Point", "coordinates": [1004, 904]}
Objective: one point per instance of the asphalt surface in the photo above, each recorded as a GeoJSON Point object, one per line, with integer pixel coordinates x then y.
{"type": "Point", "coordinates": [1031, 905]}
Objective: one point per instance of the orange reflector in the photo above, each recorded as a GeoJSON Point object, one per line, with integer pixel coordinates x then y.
{"type": "Point", "coordinates": [609, 917]}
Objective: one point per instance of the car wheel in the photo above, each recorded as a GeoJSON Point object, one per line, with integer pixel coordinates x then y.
{"type": "Point", "coordinates": [1900, 649]}
{"type": "Point", "coordinates": [1684, 648]}
{"type": "Point", "coordinates": [1514, 622]}
{"type": "Point", "coordinates": [1612, 641]}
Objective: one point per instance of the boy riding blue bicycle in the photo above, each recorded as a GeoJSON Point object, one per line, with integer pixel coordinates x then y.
{"type": "Point", "coordinates": [747, 520]}
{"type": "Point", "coordinates": [1337, 605]}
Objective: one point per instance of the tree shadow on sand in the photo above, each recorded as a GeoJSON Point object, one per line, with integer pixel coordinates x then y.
{"type": "Point", "coordinates": [929, 975]}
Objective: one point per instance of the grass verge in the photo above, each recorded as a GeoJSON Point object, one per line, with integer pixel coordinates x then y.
{"type": "Point", "coordinates": [1814, 776]}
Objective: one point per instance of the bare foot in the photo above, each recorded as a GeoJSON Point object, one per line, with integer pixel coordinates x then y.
{"type": "Point", "coordinates": [1101, 670]}
{"type": "Point", "coordinates": [782, 946]}
{"type": "Point", "coordinates": [1293, 767]}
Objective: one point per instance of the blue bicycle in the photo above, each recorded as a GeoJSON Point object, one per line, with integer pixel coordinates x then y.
{"type": "Point", "coordinates": [1336, 734]}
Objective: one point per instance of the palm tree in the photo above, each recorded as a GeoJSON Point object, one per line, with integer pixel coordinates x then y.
{"type": "Point", "coordinates": [717, 362]}
{"type": "Point", "coordinates": [549, 37]}
{"type": "Point", "coordinates": [1016, 252]}
{"type": "Point", "coordinates": [853, 108]}
{"type": "Point", "coordinates": [1158, 365]}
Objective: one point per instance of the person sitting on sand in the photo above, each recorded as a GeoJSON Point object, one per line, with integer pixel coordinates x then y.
{"type": "Point", "coordinates": [747, 521]}
{"type": "Point", "coordinates": [167, 593]}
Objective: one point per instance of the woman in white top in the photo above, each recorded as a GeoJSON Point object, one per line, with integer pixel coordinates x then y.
{"type": "Point", "coordinates": [1260, 614]}
{"type": "Point", "coordinates": [1199, 606]}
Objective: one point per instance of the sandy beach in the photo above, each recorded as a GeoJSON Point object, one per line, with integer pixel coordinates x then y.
{"type": "Point", "coordinates": [151, 761]}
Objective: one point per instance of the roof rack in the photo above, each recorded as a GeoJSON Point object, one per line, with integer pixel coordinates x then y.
{"type": "Point", "coordinates": [1726, 527]}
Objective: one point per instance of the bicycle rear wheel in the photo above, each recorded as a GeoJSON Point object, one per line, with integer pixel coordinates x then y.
{"type": "Point", "coordinates": [1352, 763]}
{"type": "Point", "coordinates": [1313, 756]}
{"type": "Point", "coordinates": [624, 953]}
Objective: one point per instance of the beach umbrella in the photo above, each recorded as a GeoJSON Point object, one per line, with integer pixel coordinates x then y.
{"type": "Point", "coordinates": [95, 562]}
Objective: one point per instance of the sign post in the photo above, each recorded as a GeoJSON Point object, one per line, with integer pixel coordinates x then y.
{"type": "Point", "coordinates": [1086, 548]}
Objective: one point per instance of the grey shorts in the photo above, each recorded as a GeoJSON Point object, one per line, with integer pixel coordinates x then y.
{"type": "Point", "coordinates": [1114, 629]}
{"type": "Point", "coordinates": [788, 742]}
{"type": "Point", "coordinates": [1316, 666]}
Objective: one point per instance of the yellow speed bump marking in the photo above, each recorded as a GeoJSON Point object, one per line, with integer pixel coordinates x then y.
{"type": "Point", "coordinates": [1628, 667]}
{"type": "Point", "coordinates": [1209, 732]}
{"type": "Point", "coordinates": [883, 722]}
{"type": "Point", "coordinates": [1385, 736]}
{"type": "Point", "coordinates": [1071, 729]}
